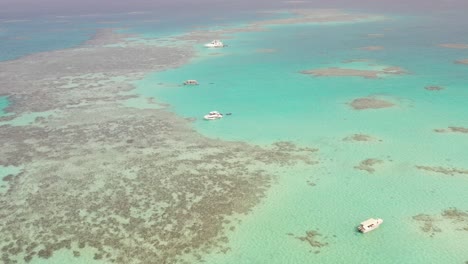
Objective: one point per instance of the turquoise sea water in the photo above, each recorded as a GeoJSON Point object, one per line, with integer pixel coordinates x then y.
{"type": "Point", "coordinates": [3, 104]}
{"type": "Point", "coordinates": [271, 101]}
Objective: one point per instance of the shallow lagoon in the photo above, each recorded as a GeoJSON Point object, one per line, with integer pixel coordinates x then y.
{"type": "Point", "coordinates": [307, 211]}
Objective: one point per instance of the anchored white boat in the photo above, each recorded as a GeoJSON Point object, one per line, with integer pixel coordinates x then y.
{"type": "Point", "coordinates": [369, 225]}
{"type": "Point", "coordinates": [191, 82]}
{"type": "Point", "coordinates": [213, 115]}
{"type": "Point", "coordinates": [215, 44]}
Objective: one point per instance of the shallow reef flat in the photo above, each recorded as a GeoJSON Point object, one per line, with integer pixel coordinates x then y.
{"type": "Point", "coordinates": [131, 185]}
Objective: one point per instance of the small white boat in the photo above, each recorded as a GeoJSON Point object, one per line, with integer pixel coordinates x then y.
{"type": "Point", "coordinates": [213, 115]}
{"type": "Point", "coordinates": [191, 82]}
{"type": "Point", "coordinates": [214, 44]}
{"type": "Point", "coordinates": [369, 225]}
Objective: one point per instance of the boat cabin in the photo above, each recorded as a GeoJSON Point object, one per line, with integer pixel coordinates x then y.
{"type": "Point", "coordinates": [215, 44]}
{"type": "Point", "coordinates": [369, 225]}
{"type": "Point", "coordinates": [213, 115]}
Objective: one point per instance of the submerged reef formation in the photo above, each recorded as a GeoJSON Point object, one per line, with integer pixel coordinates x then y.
{"type": "Point", "coordinates": [370, 103]}
{"type": "Point", "coordinates": [428, 224]}
{"type": "Point", "coordinates": [312, 237]}
{"type": "Point", "coordinates": [372, 48]}
{"type": "Point", "coordinates": [302, 16]}
{"type": "Point", "coordinates": [356, 60]}
{"type": "Point", "coordinates": [462, 130]}
{"type": "Point", "coordinates": [266, 50]}
{"type": "Point", "coordinates": [361, 138]}
{"type": "Point", "coordinates": [457, 219]}
{"type": "Point", "coordinates": [434, 88]}
{"type": "Point", "coordinates": [463, 61]}
{"type": "Point", "coordinates": [132, 185]}
{"type": "Point", "coordinates": [454, 45]}
{"type": "Point", "coordinates": [443, 170]}
{"type": "Point", "coordinates": [340, 72]}
{"type": "Point", "coordinates": [368, 165]}
{"type": "Point", "coordinates": [375, 35]}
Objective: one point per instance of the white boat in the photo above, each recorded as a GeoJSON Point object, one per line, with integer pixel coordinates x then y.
{"type": "Point", "coordinates": [369, 225]}
{"type": "Point", "coordinates": [191, 82]}
{"type": "Point", "coordinates": [213, 115]}
{"type": "Point", "coordinates": [214, 44]}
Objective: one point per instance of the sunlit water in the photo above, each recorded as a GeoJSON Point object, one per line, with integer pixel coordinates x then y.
{"type": "Point", "coordinates": [270, 101]}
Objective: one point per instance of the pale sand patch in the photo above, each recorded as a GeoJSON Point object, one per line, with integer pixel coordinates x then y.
{"type": "Point", "coordinates": [368, 165]}
{"type": "Point", "coordinates": [443, 170]}
{"type": "Point", "coordinates": [454, 45]}
{"type": "Point", "coordinates": [370, 74]}
{"type": "Point", "coordinates": [463, 61]}
{"type": "Point", "coordinates": [372, 48]}
{"type": "Point", "coordinates": [360, 138]}
{"type": "Point", "coordinates": [370, 103]}
{"type": "Point", "coordinates": [434, 88]}
{"type": "Point", "coordinates": [452, 129]}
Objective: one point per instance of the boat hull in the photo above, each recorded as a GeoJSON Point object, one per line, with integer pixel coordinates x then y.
{"type": "Point", "coordinates": [211, 118]}
{"type": "Point", "coordinates": [370, 226]}
{"type": "Point", "coordinates": [213, 46]}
